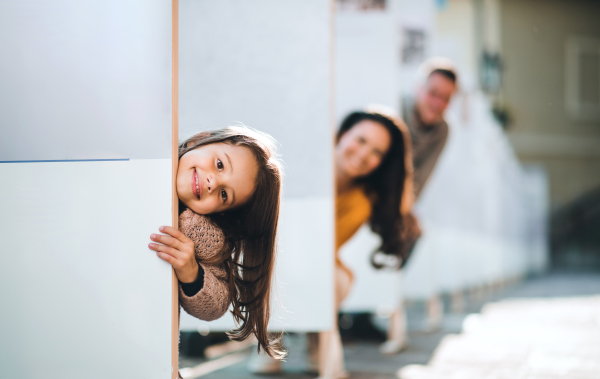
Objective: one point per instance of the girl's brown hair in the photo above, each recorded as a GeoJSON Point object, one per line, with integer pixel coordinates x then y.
{"type": "Point", "coordinates": [250, 235]}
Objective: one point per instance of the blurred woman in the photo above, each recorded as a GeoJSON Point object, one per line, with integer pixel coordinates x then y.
{"type": "Point", "coordinates": [373, 173]}
{"type": "Point", "coordinates": [373, 176]}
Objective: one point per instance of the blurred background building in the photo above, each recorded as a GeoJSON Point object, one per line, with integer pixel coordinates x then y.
{"type": "Point", "coordinates": [551, 98]}
{"type": "Point", "coordinates": [539, 64]}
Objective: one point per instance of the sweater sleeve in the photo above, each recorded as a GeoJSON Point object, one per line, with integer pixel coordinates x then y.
{"type": "Point", "coordinates": [212, 300]}
{"type": "Point", "coordinates": [190, 289]}
{"type": "Point", "coordinates": [424, 167]}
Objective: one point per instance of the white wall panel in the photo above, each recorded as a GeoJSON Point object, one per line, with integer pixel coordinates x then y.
{"type": "Point", "coordinates": [367, 65]}
{"type": "Point", "coordinates": [372, 290]}
{"type": "Point", "coordinates": [85, 80]}
{"type": "Point", "coordinates": [82, 295]}
{"type": "Point", "coordinates": [367, 60]}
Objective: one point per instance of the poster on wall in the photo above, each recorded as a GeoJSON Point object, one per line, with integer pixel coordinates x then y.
{"type": "Point", "coordinates": [413, 45]}
{"type": "Point", "coordinates": [361, 5]}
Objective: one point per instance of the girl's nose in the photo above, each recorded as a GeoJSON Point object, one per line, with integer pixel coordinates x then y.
{"type": "Point", "coordinates": [211, 183]}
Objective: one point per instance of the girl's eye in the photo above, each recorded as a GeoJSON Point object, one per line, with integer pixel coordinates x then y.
{"type": "Point", "coordinates": [220, 165]}
{"type": "Point", "coordinates": [224, 195]}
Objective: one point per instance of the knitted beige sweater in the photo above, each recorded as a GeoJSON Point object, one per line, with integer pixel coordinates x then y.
{"type": "Point", "coordinates": [212, 301]}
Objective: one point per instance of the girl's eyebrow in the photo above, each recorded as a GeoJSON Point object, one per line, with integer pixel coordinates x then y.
{"type": "Point", "coordinates": [229, 160]}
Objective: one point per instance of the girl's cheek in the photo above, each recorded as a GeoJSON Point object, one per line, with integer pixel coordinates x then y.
{"type": "Point", "coordinates": [212, 205]}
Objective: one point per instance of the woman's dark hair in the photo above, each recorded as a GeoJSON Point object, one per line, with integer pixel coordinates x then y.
{"type": "Point", "coordinates": [250, 235]}
{"type": "Point", "coordinates": [389, 186]}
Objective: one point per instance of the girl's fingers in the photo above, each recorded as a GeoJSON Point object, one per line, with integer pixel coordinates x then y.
{"type": "Point", "coordinates": [167, 240]}
{"type": "Point", "coordinates": [167, 258]}
{"type": "Point", "coordinates": [176, 254]}
{"type": "Point", "coordinates": [175, 248]}
{"type": "Point", "coordinates": [174, 233]}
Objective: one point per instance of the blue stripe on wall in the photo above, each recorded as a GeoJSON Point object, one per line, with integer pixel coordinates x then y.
{"type": "Point", "coordinates": [69, 160]}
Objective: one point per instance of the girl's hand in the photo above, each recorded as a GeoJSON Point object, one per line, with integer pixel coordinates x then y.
{"type": "Point", "coordinates": [178, 250]}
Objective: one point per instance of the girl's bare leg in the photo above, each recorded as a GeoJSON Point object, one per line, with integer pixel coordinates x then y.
{"type": "Point", "coordinates": [331, 352]}
{"type": "Point", "coordinates": [331, 356]}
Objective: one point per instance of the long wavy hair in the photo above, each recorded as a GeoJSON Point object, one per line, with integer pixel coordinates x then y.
{"type": "Point", "coordinates": [250, 235]}
{"type": "Point", "coordinates": [389, 187]}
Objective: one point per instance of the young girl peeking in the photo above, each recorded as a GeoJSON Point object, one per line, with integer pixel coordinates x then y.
{"type": "Point", "coordinates": [229, 185]}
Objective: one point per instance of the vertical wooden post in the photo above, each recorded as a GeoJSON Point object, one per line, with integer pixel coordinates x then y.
{"type": "Point", "coordinates": [175, 199]}
{"type": "Point", "coordinates": [330, 347]}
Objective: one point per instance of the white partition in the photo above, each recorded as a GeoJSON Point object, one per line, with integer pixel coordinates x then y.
{"type": "Point", "coordinates": [483, 216]}
{"type": "Point", "coordinates": [372, 290]}
{"type": "Point", "coordinates": [85, 80]}
{"type": "Point", "coordinates": [266, 63]}
{"type": "Point", "coordinates": [537, 199]}
{"type": "Point", "coordinates": [367, 67]}
{"type": "Point", "coordinates": [82, 295]}
{"type": "Point", "coordinates": [85, 162]}
{"type": "Point", "coordinates": [367, 59]}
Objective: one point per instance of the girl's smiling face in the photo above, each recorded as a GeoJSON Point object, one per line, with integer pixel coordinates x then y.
{"type": "Point", "coordinates": [216, 177]}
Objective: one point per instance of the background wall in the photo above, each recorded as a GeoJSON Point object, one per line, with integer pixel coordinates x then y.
{"type": "Point", "coordinates": [367, 59]}
{"type": "Point", "coordinates": [534, 39]}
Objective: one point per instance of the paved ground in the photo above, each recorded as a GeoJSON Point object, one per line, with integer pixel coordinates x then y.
{"type": "Point", "coordinates": [541, 328]}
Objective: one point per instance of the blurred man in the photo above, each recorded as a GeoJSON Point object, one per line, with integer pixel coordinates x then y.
{"type": "Point", "coordinates": [425, 117]}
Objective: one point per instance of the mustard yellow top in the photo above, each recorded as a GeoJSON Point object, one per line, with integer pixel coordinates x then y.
{"type": "Point", "coordinates": [352, 210]}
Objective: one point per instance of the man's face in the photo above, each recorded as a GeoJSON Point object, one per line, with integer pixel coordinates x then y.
{"type": "Point", "coordinates": [433, 98]}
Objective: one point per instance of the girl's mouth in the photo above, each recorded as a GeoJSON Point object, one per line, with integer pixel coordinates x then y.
{"type": "Point", "coordinates": [196, 185]}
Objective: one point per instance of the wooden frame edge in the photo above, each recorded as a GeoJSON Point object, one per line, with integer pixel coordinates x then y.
{"type": "Point", "coordinates": [174, 165]}
{"type": "Point", "coordinates": [333, 126]}
{"type": "Point", "coordinates": [326, 365]}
